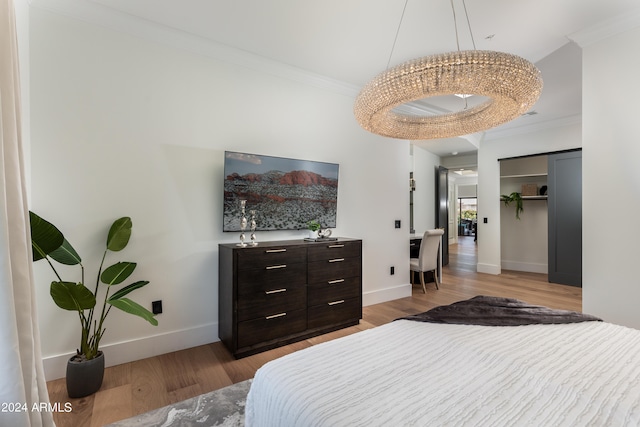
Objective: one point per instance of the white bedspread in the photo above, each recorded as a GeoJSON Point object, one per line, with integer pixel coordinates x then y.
{"type": "Point", "coordinates": [422, 374]}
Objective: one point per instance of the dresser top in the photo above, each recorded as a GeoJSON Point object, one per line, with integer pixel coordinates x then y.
{"type": "Point", "coordinates": [282, 243]}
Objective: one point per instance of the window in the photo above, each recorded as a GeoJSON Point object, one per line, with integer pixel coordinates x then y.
{"type": "Point", "coordinates": [467, 216]}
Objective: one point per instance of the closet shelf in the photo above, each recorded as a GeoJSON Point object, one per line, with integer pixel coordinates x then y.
{"type": "Point", "coordinates": [529, 175]}
{"type": "Point", "coordinates": [545, 197]}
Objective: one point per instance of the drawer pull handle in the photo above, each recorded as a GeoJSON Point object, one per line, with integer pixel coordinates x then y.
{"type": "Point", "coordinates": [275, 315]}
{"type": "Point", "coordinates": [274, 267]}
{"type": "Point", "coordinates": [336, 260]}
{"type": "Point", "coordinates": [333, 282]}
{"type": "Point", "coordinates": [275, 291]}
{"type": "Point", "coordinates": [275, 251]}
{"type": "Point", "coordinates": [336, 246]}
{"type": "Point", "coordinates": [336, 302]}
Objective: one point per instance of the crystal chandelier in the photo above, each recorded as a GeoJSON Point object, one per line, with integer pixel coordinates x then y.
{"type": "Point", "coordinates": [511, 84]}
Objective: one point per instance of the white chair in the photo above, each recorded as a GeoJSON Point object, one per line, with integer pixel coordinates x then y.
{"type": "Point", "coordinates": [428, 258]}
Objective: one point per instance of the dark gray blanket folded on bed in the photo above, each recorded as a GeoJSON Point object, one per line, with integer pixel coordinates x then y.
{"type": "Point", "coordinates": [497, 311]}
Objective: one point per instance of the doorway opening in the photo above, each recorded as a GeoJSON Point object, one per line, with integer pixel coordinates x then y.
{"type": "Point", "coordinates": [468, 217]}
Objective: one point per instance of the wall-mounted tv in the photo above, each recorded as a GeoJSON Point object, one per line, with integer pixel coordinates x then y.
{"type": "Point", "coordinates": [285, 193]}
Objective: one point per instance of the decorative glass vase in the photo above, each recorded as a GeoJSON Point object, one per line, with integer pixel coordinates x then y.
{"type": "Point", "coordinates": [243, 223]}
{"type": "Point", "coordinates": [253, 228]}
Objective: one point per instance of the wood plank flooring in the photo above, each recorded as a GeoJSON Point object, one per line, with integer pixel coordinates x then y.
{"type": "Point", "coordinates": [133, 388]}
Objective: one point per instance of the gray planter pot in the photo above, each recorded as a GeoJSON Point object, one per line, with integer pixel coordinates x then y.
{"type": "Point", "coordinates": [84, 377]}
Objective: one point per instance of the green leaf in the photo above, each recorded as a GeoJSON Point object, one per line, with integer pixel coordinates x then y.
{"type": "Point", "coordinates": [124, 291]}
{"type": "Point", "coordinates": [125, 304]}
{"type": "Point", "coordinates": [45, 237]}
{"type": "Point", "coordinates": [65, 254]}
{"type": "Point", "coordinates": [117, 273]}
{"type": "Point", "coordinates": [72, 296]}
{"type": "Point", "coordinates": [119, 234]}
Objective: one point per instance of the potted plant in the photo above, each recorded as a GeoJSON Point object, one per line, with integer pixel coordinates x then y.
{"type": "Point", "coordinates": [85, 369]}
{"type": "Point", "coordinates": [314, 227]}
{"type": "Point", "coordinates": [516, 198]}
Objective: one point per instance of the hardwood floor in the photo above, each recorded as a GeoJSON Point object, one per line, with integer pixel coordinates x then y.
{"type": "Point", "coordinates": [133, 388]}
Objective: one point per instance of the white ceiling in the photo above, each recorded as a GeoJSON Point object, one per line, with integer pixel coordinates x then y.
{"type": "Point", "coordinates": [351, 41]}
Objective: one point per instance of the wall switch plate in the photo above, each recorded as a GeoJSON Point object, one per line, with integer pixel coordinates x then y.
{"type": "Point", "coordinates": [397, 223]}
{"type": "Point", "coordinates": [392, 271]}
{"type": "Point", "coordinates": [156, 307]}
{"type": "Point", "coordinates": [486, 220]}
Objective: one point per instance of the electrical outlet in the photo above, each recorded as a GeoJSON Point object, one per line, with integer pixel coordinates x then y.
{"type": "Point", "coordinates": [156, 307]}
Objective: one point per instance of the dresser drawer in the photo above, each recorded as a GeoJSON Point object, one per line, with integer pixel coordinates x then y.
{"type": "Point", "coordinates": [339, 311]}
{"type": "Point", "coordinates": [334, 269]}
{"type": "Point", "coordinates": [334, 290]}
{"type": "Point", "coordinates": [267, 278]}
{"type": "Point", "coordinates": [276, 300]}
{"type": "Point", "coordinates": [270, 327]}
{"type": "Point", "coordinates": [332, 250]}
{"type": "Point", "coordinates": [250, 258]}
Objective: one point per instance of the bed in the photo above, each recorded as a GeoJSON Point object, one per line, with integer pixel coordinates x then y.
{"type": "Point", "coordinates": [434, 372]}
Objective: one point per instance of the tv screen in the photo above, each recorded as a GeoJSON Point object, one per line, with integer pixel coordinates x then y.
{"type": "Point", "coordinates": [284, 193]}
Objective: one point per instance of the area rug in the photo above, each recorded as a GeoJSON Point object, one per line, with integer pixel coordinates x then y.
{"type": "Point", "coordinates": [224, 408]}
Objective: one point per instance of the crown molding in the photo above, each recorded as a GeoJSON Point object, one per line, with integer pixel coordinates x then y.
{"type": "Point", "coordinates": [98, 14]}
{"type": "Point", "coordinates": [606, 29]}
{"type": "Point", "coordinates": [534, 127]}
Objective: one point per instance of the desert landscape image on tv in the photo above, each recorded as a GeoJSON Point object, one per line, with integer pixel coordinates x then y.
{"type": "Point", "coordinates": [284, 193]}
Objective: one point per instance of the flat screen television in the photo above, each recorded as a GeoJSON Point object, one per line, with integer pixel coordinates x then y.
{"type": "Point", "coordinates": [284, 193]}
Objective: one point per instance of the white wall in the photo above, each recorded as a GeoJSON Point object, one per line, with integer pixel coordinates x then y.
{"type": "Point", "coordinates": [489, 205]}
{"type": "Point", "coordinates": [424, 166]}
{"type": "Point", "coordinates": [126, 126]}
{"type": "Point", "coordinates": [524, 241]}
{"type": "Point", "coordinates": [467, 190]}
{"type": "Point", "coordinates": [611, 179]}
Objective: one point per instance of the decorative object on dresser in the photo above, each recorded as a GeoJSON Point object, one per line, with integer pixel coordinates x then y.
{"type": "Point", "coordinates": [314, 229]}
{"type": "Point", "coordinates": [253, 228]}
{"type": "Point", "coordinates": [243, 222]}
{"type": "Point", "coordinates": [286, 291]}
{"type": "Point", "coordinates": [317, 233]}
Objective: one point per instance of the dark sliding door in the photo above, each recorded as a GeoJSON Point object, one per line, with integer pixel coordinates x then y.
{"type": "Point", "coordinates": [565, 218]}
{"type": "Point", "coordinates": [442, 209]}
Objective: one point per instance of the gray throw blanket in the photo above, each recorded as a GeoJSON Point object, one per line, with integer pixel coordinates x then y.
{"type": "Point", "coordinates": [497, 311]}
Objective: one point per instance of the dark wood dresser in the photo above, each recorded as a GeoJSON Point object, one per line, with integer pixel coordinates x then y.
{"type": "Point", "coordinates": [280, 292]}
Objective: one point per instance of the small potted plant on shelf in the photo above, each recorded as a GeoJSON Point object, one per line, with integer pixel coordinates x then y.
{"type": "Point", "coordinates": [516, 198]}
{"type": "Point", "coordinates": [85, 369]}
{"type": "Point", "coordinates": [314, 227]}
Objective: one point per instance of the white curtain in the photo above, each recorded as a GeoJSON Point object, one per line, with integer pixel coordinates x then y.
{"type": "Point", "coordinates": [23, 391]}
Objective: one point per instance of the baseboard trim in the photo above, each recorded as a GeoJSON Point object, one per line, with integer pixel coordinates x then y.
{"type": "Point", "coordinates": [128, 351]}
{"type": "Point", "coordinates": [488, 268]}
{"type": "Point", "coordinates": [525, 266]}
{"type": "Point", "coordinates": [387, 294]}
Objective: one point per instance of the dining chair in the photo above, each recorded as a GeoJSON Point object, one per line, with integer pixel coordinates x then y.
{"type": "Point", "coordinates": [428, 257]}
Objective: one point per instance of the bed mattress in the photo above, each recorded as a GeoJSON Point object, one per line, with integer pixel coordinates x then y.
{"type": "Point", "coordinates": [408, 373]}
